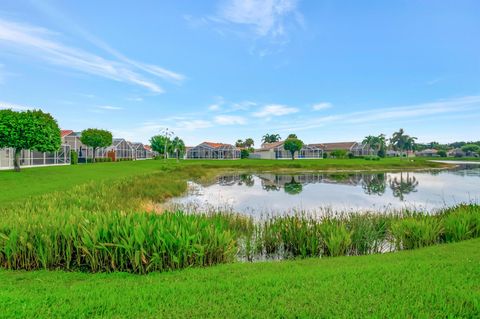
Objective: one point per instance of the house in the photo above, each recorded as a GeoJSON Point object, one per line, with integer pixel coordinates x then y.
{"type": "Point", "coordinates": [29, 158]}
{"type": "Point", "coordinates": [210, 150]}
{"type": "Point", "coordinates": [139, 151]}
{"type": "Point", "coordinates": [120, 149]}
{"type": "Point", "coordinates": [429, 152]}
{"type": "Point", "coordinates": [357, 149]}
{"type": "Point", "coordinates": [276, 151]}
{"type": "Point", "coordinates": [457, 152]}
{"type": "Point", "coordinates": [84, 152]}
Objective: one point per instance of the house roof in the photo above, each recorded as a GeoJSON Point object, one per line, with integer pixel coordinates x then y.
{"type": "Point", "coordinates": [217, 145]}
{"type": "Point", "coordinates": [269, 146]}
{"type": "Point", "coordinates": [428, 150]}
{"type": "Point", "coordinates": [64, 133]}
{"type": "Point", "coordinates": [335, 146]}
{"type": "Point", "coordinates": [147, 147]}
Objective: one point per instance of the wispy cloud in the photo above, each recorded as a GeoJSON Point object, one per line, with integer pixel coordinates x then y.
{"type": "Point", "coordinates": [230, 120]}
{"type": "Point", "coordinates": [265, 17]}
{"type": "Point", "coordinates": [135, 99]}
{"type": "Point", "coordinates": [321, 106]}
{"type": "Point", "coordinates": [402, 113]}
{"type": "Point", "coordinates": [42, 43]}
{"type": "Point", "coordinates": [110, 107]}
{"type": "Point", "coordinates": [13, 106]}
{"type": "Point", "coordinates": [275, 110]}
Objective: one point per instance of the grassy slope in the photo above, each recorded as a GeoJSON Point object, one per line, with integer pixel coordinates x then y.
{"type": "Point", "coordinates": [435, 282]}
{"type": "Point", "coordinates": [35, 181]}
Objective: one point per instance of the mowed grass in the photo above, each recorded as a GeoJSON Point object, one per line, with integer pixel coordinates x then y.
{"type": "Point", "coordinates": [441, 281]}
{"type": "Point", "coordinates": [41, 180]}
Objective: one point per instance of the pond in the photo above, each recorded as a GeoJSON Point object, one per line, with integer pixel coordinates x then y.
{"type": "Point", "coordinates": [269, 193]}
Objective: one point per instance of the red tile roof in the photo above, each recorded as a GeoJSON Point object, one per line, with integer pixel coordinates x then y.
{"type": "Point", "coordinates": [65, 132]}
{"type": "Point", "coordinates": [335, 146]}
{"type": "Point", "coordinates": [147, 147]}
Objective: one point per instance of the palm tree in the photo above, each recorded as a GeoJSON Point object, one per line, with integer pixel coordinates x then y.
{"type": "Point", "coordinates": [402, 142]}
{"type": "Point", "coordinates": [178, 146]}
{"type": "Point", "coordinates": [271, 138]}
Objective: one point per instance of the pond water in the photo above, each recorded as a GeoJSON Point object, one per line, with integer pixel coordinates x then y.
{"type": "Point", "coordinates": [269, 193]}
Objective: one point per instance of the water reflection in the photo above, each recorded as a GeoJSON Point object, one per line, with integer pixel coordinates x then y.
{"type": "Point", "coordinates": [372, 184]}
{"type": "Point", "coordinates": [338, 191]}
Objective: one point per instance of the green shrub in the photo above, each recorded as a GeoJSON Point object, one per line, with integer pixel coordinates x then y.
{"type": "Point", "coordinates": [73, 157]}
{"type": "Point", "coordinates": [244, 153]}
{"type": "Point", "coordinates": [442, 153]}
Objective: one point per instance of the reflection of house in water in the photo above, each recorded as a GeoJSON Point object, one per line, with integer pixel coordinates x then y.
{"type": "Point", "coordinates": [371, 183]}
{"type": "Point", "coordinates": [280, 180]}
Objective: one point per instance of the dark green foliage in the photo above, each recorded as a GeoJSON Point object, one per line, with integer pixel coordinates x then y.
{"type": "Point", "coordinates": [338, 153]}
{"type": "Point", "coordinates": [96, 138]}
{"type": "Point", "coordinates": [442, 153]}
{"type": "Point", "coordinates": [271, 138]}
{"type": "Point", "coordinates": [244, 153]}
{"type": "Point", "coordinates": [29, 130]}
{"type": "Point", "coordinates": [292, 144]}
{"type": "Point", "coordinates": [73, 157]}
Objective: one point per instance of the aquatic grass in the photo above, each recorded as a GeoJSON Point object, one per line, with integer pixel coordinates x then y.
{"type": "Point", "coordinates": [106, 227]}
{"type": "Point", "coordinates": [105, 242]}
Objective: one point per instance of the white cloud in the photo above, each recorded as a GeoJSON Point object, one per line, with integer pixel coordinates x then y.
{"type": "Point", "coordinates": [109, 107]}
{"type": "Point", "coordinates": [275, 110]}
{"type": "Point", "coordinates": [40, 43]}
{"type": "Point", "coordinates": [214, 107]}
{"type": "Point", "coordinates": [321, 106]}
{"type": "Point", "coordinates": [15, 107]}
{"type": "Point", "coordinates": [266, 17]}
{"type": "Point", "coordinates": [230, 120]}
{"type": "Point", "coordinates": [135, 99]}
{"type": "Point", "coordinates": [390, 114]}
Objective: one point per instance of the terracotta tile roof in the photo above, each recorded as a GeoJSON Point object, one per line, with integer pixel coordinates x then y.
{"type": "Point", "coordinates": [64, 133]}
{"type": "Point", "coordinates": [147, 147]}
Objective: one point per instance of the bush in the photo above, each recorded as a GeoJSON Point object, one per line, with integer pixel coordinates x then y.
{"type": "Point", "coordinates": [325, 155]}
{"type": "Point", "coordinates": [372, 158]}
{"type": "Point", "coordinates": [73, 157]}
{"type": "Point", "coordinates": [244, 153]}
{"type": "Point", "coordinates": [351, 155]}
{"type": "Point", "coordinates": [338, 153]}
{"type": "Point", "coordinates": [442, 153]}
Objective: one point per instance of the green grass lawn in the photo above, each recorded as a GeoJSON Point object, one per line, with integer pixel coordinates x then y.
{"type": "Point", "coordinates": [36, 181]}
{"type": "Point", "coordinates": [436, 282]}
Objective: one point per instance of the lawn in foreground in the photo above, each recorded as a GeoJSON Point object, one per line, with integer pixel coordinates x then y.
{"type": "Point", "coordinates": [41, 180]}
{"type": "Point", "coordinates": [435, 282]}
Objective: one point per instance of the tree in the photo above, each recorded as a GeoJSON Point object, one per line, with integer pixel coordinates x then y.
{"type": "Point", "coordinates": [249, 142]}
{"type": "Point", "coordinates": [402, 142]}
{"type": "Point", "coordinates": [158, 143]}
{"type": "Point", "coordinates": [376, 143]}
{"type": "Point", "coordinates": [271, 138]}
{"type": "Point", "coordinates": [178, 146]}
{"type": "Point", "coordinates": [292, 144]}
{"type": "Point", "coordinates": [96, 138]}
{"type": "Point", "coordinates": [30, 130]}
{"type": "Point", "coordinates": [471, 148]}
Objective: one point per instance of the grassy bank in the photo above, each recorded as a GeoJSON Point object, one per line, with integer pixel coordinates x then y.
{"type": "Point", "coordinates": [436, 282]}
{"type": "Point", "coordinates": [37, 181]}
{"type": "Point", "coordinates": [117, 226]}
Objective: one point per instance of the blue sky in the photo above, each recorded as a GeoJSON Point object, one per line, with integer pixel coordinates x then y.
{"type": "Point", "coordinates": [228, 69]}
